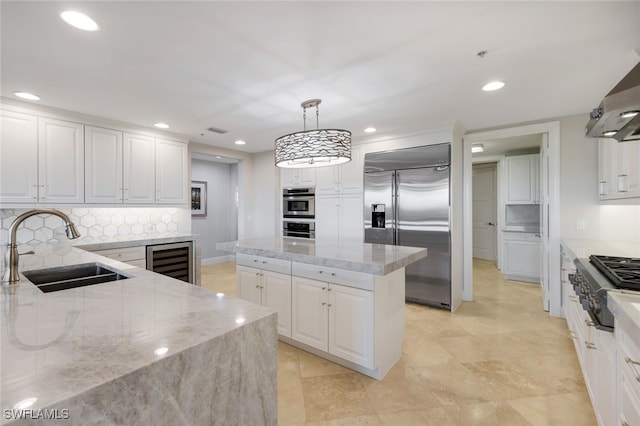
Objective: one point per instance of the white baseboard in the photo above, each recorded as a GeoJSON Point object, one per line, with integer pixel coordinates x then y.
{"type": "Point", "coordinates": [218, 259]}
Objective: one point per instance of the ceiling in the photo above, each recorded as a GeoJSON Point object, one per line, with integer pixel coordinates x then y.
{"type": "Point", "coordinates": [247, 66]}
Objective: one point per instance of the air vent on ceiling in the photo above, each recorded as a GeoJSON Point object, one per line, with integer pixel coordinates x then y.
{"type": "Point", "coordinates": [217, 130]}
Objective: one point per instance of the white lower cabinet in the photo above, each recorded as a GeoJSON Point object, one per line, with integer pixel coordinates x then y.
{"type": "Point", "coordinates": [135, 256]}
{"type": "Point", "coordinates": [334, 318]}
{"type": "Point", "coordinates": [628, 375]}
{"type": "Point", "coordinates": [270, 289]}
{"type": "Point", "coordinates": [521, 256]}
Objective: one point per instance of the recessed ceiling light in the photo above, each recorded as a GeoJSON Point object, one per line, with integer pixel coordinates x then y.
{"type": "Point", "coordinates": [27, 95]}
{"type": "Point", "coordinates": [79, 20]}
{"type": "Point", "coordinates": [162, 125]}
{"type": "Point", "coordinates": [494, 85]}
{"type": "Point", "coordinates": [609, 133]}
{"type": "Point", "coordinates": [239, 142]}
{"type": "Point", "coordinates": [629, 114]}
{"type": "Point", "coordinates": [477, 148]}
{"type": "Point", "coordinates": [370, 130]}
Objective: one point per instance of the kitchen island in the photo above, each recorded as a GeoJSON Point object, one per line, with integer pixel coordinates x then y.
{"type": "Point", "coordinates": [342, 301]}
{"type": "Point", "coordinates": [147, 349]}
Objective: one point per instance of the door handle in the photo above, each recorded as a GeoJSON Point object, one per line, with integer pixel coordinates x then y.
{"type": "Point", "coordinates": [491, 224]}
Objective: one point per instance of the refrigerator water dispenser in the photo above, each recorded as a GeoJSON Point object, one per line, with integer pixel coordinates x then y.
{"type": "Point", "coordinates": [377, 216]}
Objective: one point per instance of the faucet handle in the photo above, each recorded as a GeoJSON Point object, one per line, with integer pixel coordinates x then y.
{"type": "Point", "coordinates": [27, 252]}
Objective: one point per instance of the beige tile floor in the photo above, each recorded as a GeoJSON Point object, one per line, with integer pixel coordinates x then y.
{"type": "Point", "coordinates": [499, 360]}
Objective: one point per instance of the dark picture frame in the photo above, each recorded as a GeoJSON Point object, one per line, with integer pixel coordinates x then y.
{"type": "Point", "coordinates": [198, 198]}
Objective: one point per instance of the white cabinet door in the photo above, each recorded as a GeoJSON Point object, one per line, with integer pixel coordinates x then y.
{"type": "Point", "coordinates": [628, 169]}
{"type": "Point", "coordinates": [60, 161]}
{"type": "Point", "coordinates": [607, 183]}
{"type": "Point", "coordinates": [327, 217]}
{"type": "Point", "coordinates": [103, 165]}
{"type": "Point", "coordinates": [521, 255]}
{"type": "Point", "coordinates": [327, 180]}
{"type": "Point", "coordinates": [139, 174]}
{"type": "Point", "coordinates": [171, 172]}
{"type": "Point", "coordinates": [309, 316]}
{"type": "Point", "coordinates": [276, 294]}
{"type": "Point", "coordinates": [297, 177]}
{"type": "Point", "coordinates": [522, 175]}
{"type": "Point", "coordinates": [352, 173]}
{"type": "Point", "coordinates": [249, 280]}
{"type": "Point", "coordinates": [18, 158]}
{"type": "Point", "coordinates": [605, 371]}
{"type": "Point", "coordinates": [350, 324]}
{"type": "Point", "coordinates": [350, 217]}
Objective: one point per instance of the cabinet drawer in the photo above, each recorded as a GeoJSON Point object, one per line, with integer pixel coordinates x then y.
{"type": "Point", "coordinates": [266, 263]}
{"type": "Point", "coordinates": [333, 275]}
{"type": "Point", "coordinates": [125, 254]}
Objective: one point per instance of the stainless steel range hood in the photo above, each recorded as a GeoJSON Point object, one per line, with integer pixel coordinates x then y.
{"type": "Point", "coordinates": [615, 118]}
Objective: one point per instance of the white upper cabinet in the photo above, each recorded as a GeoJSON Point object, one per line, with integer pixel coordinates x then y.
{"type": "Point", "coordinates": [103, 165]}
{"type": "Point", "coordinates": [291, 178]}
{"type": "Point", "coordinates": [45, 160]}
{"type": "Point", "coordinates": [139, 174]}
{"type": "Point", "coordinates": [60, 161]}
{"type": "Point", "coordinates": [18, 158]}
{"type": "Point", "coordinates": [344, 178]}
{"type": "Point", "coordinates": [522, 179]}
{"type": "Point", "coordinates": [171, 172]}
{"type": "Point", "coordinates": [618, 169]}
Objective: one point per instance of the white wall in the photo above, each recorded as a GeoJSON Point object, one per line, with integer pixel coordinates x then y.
{"type": "Point", "coordinates": [221, 222]}
{"type": "Point", "coordinates": [579, 190]}
{"type": "Point", "coordinates": [266, 196]}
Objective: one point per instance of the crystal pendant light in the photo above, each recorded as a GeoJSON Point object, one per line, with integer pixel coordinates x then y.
{"type": "Point", "coordinates": [313, 148]}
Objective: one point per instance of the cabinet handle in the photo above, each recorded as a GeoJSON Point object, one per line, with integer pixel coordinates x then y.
{"type": "Point", "coordinates": [324, 288]}
{"type": "Point", "coordinates": [323, 303]}
{"type": "Point", "coordinates": [255, 260]}
{"type": "Point", "coordinates": [329, 305]}
{"type": "Point", "coordinates": [623, 423]}
{"type": "Point", "coordinates": [257, 274]}
{"type": "Point", "coordinates": [329, 289]}
{"type": "Point", "coordinates": [589, 345]}
{"type": "Point", "coordinates": [257, 286]}
{"type": "Point", "coordinates": [602, 186]}
{"type": "Point", "coordinates": [588, 323]}
{"type": "Point", "coordinates": [264, 261]}
{"type": "Point", "coordinates": [320, 272]}
{"type": "Point", "coordinates": [333, 274]}
{"type": "Point", "coordinates": [623, 183]}
{"type": "Point", "coordinates": [630, 361]}
{"type": "Point", "coordinates": [572, 334]}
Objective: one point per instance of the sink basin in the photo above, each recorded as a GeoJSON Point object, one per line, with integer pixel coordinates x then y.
{"type": "Point", "coordinates": [66, 277]}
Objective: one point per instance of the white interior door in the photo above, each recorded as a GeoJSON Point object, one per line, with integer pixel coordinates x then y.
{"type": "Point", "coordinates": [484, 211]}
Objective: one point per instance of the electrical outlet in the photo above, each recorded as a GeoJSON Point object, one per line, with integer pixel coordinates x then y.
{"type": "Point", "coordinates": [581, 224]}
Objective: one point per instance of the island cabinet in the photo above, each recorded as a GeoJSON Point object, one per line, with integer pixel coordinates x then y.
{"type": "Point", "coordinates": [334, 318]}
{"type": "Point", "coordinates": [267, 282]}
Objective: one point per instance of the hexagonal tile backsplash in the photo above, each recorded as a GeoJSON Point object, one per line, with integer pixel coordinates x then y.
{"type": "Point", "coordinates": [99, 223]}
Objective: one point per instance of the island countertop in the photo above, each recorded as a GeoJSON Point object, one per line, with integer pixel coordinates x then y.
{"type": "Point", "coordinates": [377, 259]}
{"type": "Point", "coordinates": [59, 346]}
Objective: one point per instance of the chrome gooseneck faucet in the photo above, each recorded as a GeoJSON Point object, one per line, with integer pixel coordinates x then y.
{"type": "Point", "coordinates": [12, 257]}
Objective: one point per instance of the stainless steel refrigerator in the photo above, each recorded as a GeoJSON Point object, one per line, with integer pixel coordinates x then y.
{"type": "Point", "coordinates": [407, 203]}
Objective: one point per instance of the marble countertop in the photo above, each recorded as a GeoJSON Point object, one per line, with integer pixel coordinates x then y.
{"type": "Point", "coordinates": [625, 307]}
{"type": "Point", "coordinates": [57, 345]}
{"type": "Point", "coordinates": [103, 243]}
{"type": "Point", "coordinates": [584, 248]}
{"type": "Point", "coordinates": [375, 259]}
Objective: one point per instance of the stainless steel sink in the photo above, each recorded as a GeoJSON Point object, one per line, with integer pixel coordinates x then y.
{"type": "Point", "coordinates": [66, 277]}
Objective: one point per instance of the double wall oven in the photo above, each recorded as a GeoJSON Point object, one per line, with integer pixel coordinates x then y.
{"type": "Point", "coordinates": [298, 212]}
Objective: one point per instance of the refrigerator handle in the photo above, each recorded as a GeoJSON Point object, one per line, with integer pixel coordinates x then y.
{"type": "Point", "coordinates": [394, 200]}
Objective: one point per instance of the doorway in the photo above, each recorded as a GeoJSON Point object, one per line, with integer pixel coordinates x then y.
{"type": "Point", "coordinates": [216, 220]}
{"type": "Point", "coordinates": [549, 207]}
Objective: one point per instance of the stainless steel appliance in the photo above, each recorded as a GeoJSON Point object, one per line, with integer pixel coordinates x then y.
{"type": "Point", "coordinates": [597, 276]}
{"type": "Point", "coordinates": [298, 229]}
{"type": "Point", "coordinates": [299, 203]}
{"type": "Point", "coordinates": [174, 260]}
{"type": "Point", "coordinates": [618, 115]}
{"type": "Point", "coordinates": [407, 202]}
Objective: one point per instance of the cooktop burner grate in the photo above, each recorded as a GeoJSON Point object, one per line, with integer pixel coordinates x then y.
{"type": "Point", "coordinates": [624, 272]}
